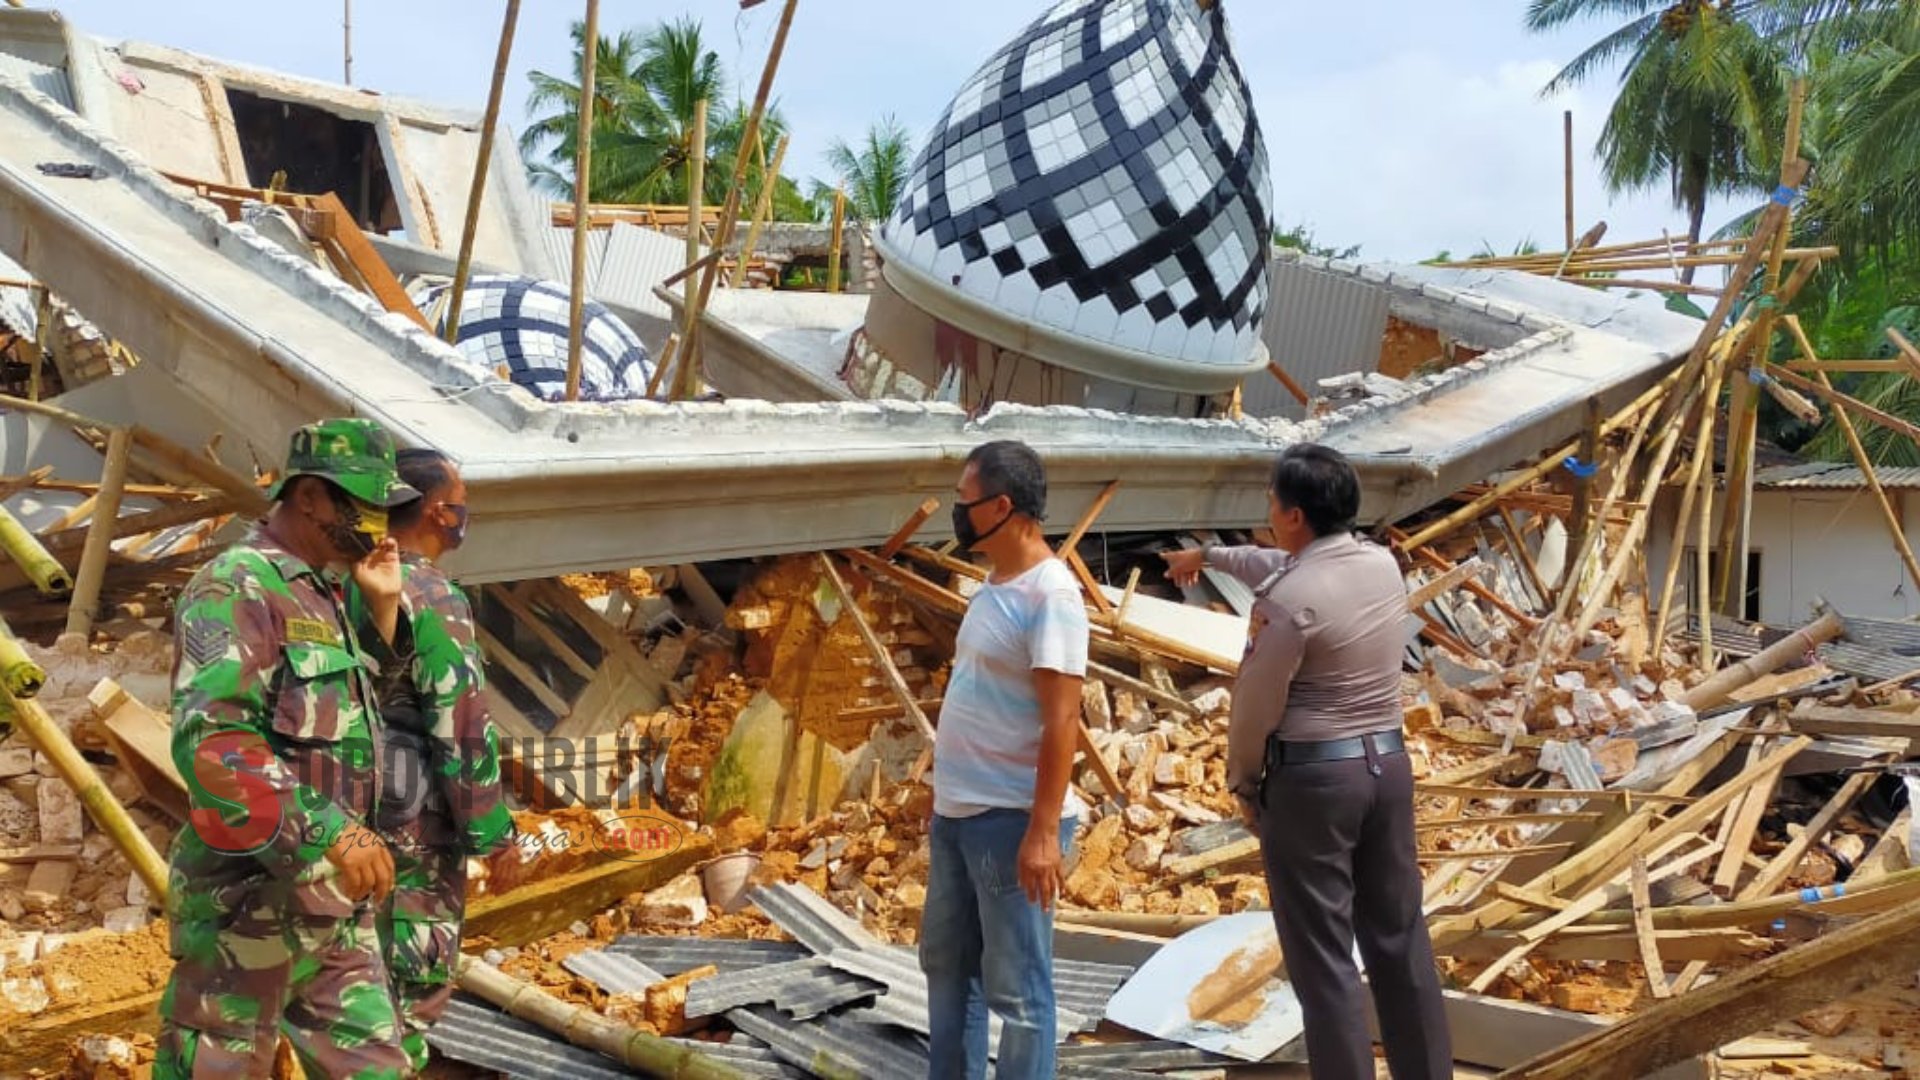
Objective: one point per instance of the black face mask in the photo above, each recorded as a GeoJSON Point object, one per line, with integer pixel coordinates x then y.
{"type": "Point", "coordinates": [963, 529]}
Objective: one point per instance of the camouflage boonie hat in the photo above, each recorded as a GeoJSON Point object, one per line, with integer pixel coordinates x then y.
{"type": "Point", "coordinates": [355, 454]}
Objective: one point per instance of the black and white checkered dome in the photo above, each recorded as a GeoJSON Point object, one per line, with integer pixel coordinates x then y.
{"type": "Point", "coordinates": [523, 324]}
{"type": "Point", "coordinates": [1099, 190]}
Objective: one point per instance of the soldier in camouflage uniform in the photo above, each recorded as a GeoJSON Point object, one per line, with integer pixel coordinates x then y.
{"type": "Point", "coordinates": [441, 799]}
{"type": "Point", "coordinates": [275, 883]}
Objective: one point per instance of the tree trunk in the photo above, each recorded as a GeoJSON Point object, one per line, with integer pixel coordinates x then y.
{"type": "Point", "coordinates": [1696, 214]}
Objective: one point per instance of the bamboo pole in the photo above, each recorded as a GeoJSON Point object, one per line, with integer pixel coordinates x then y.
{"type": "Point", "coordinates": [1717, 688]}
{"type": "Point", "coordinates": [20, 676]}
{"type": "Point", "coordinates": [730, 212]}
{"type": "Point", "coordinates": [686, 377]}
{"type": "Point", "coordinates": [1839, 401]}
{"type": "Point", "coordinates": [1473, 510]}
{"type": "Point", "coordinates": [93, 558]}
{"type": "Point", "coordinates": [1703, 568]}
{"type": "Point", "coordinates": [662, 362]}
{"type": "Point", "coordinates": [581, 1026]}
{"type": "Point", "coordinates": [32, 557]}
{"type": "Point", "coordinates": [33, 720]}
{"type": "Point", "coordinates": [582, 195]}
{"type": "Point", "coordinates": [834, 242]}
{"type": "Point", "coordinates": [762, 211]}
{"type": "Point", "coordinates": [1859, 450]}
{"type": "Point", "coordinates": [1698, 487]}
{"type": "Point", "coordinates": [464, 268]}
{"type": "Point", "coordinates": [1908, 354]}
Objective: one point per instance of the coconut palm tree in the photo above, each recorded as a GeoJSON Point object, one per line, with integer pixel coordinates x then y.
{"type": "Point", "coordinates": [1701, 98]}
{"type": "Point", "coordinates": [874, 174]}
{"type": "Point", "coordinates": [646, 86]}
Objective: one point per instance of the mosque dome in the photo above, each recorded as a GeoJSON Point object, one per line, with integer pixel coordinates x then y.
{"type": "Point", "coordinates": [1096, 197]}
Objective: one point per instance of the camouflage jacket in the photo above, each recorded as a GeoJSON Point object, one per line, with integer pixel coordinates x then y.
{"type": "Point", "coordinates": [273, 727]}
{"type": "Point", "coordinates": [433, 677]}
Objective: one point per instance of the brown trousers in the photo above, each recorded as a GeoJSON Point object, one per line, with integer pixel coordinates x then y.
{"type": "Point", "coordinates": [1338, 841]}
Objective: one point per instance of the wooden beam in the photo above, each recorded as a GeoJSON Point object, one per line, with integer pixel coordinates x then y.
{"type": "Point", "coordinates": [876, 648]}
{"type": "Point", "coordinates": [1299, 393]}
{"type": "Point", "coordinates": [1787, 860]}
{"type": "Point", "coordinates": [1842, 963]}
{"type": "Point", "coordinates": [912, 525]}
{"type": "Point", "coordinates": [1428, 591]}
{"type": "Point", "coordinates": [1092, 514]}
{"type": "Point", "coordinates": [1826, 721]}
{"type": "Point", "coordinates": [531, 619]}
{"type": "Point", "coordinates": [367, 262]}
{"type": "Point", "coordinates": [1643, 931]}
{"type": "Point", "coordinates": [498, 653]}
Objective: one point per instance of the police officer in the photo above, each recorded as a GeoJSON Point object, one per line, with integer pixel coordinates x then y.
{"type": "Point", "coordinates": [276, 879]}
{"type": "Point", "coordinates": [1316, 758]}
{"type": "Point", "coordinates": [440, 797]}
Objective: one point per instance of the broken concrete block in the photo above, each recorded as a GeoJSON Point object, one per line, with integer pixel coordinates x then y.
{"type": "Point", "coordinates": [1131, 713]}
{"type": "Point", "coordinates": [1094, 706]}
{"type": "Point", "coordinates": [25, 996]}
{"type": "Point", "coordinates": [15, 761]}
{"type": "Point", "coordinates": [1174, 770]}
{"type": "Point", "coordinates": [1145, 852]}
{"type": "Point", "coordinates": [1215, 701]}
{"type": "Point", "coordinates": [48, 884]}
{"type": "Point", "coordinates": [1827, 1021]}
{"type": "Point", "coordinates": [11, 908]}
{"type": "Point", "coordinates": [1614, 758]}
{"type": "Point", "coordinates": [61, 821]}
{"type": "Point", "coordinates": [125, 920]}
{"type": "Point", "coordinates": [43, 765]}
{"type": "Point", "coordinates": [1143, 819]}
{"type": "Point", "coordinates": [1590, 707]}
{"type": "Point", "coordinates": [666, 1002]}
{"type": "Point", "coordinates": [17, 952]}
{"type": "Point", "coordinates": [1184, 810]}
{"type": "Point", "coordinates": [105, 1051]}
{"type": "Point", "coordinates": [680, 902]}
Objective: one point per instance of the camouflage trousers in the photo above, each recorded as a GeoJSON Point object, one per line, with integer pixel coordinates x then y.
{"type": "Point", "coordinates": [247, 971]}
{"type": "Point", "coordinates": [419, 930]}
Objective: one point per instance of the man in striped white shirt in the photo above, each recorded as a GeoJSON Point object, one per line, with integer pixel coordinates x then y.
{"type": "Point", "coordinates": [1003, 813]}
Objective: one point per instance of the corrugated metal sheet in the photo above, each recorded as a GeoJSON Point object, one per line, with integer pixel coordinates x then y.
{"type": "Point", "coordinates": [673, 955]}
{"type": "Point", "coordinates": [905, 1002]}
{"type": "Point", "coordinates": [833, 1045]}
{"type": "Point", "coordinates": [1828, 476]}
{"type": "Point", "coordinates": [559, 245]}
{"type": "Point", "coordinates": [49, 79]}
{"type": "Point", "coordinates": [483, 1036]}
{"type": "Point", "coordinates": [1317, 325]}
{"type": "Point", "coordinates": [1154, 1055]}
{"type": "Point", "coordinates": [1100, 1072]}
{"type": "Point", "coordinates": [635, 260]}
{"type": "Point", "coordinates": [813, 922]}
{"type": "Point", "coordinates": [1888, 635]}
{"type": "Point", "coordinates": [800, 988]}
{"type": "Point", "coordinates": [613, 972]}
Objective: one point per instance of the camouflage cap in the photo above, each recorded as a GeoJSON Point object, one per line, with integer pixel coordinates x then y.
{"type": "Point", "coordinates": [355, 454]}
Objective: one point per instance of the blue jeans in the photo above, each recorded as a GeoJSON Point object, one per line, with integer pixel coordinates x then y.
{"type": "Point", "coordinates": [984, 945]}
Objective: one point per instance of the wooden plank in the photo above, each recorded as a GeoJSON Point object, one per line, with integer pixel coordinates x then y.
{"type": "Point", "coordinates": [1643, 931]}
{"type": "Point", "coordinates": [498, 653]}
{"type": "Point", "coordinates": [1783, 864]}
{"type": "Point", "coordinates": [1842, 963]}
{"type": "Point", "coordinates": [143, 741]}
{"type": "Point", "coordinates": [1093, 512]}
{"type": "Point", "coordinates": [1185, 868]}
{"type": "Point", "coordinates": [1721, 945]}
{"type": "Point", "coordinates": [1494, 791]}
{"type": "Point", "coordinates": [366, 261]}
{"type": "Point", "coordinates": [527, 617]}
{"type": "Point", "coordinates": [1091, 586]}
{"type": "Point", "coordinates": [1448, 581]}
{"type": "Point", "coordinates": [1808, 718]}
{"type": "Point", "coordinates": [614, 645]}
{"type": "Point", "coordinates": [1436, 824]}
{"type": "Point", "coordinates": [1498, 853]}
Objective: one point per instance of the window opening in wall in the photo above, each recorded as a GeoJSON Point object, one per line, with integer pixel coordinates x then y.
{"type": "Point", "coordinates": [319, 152]}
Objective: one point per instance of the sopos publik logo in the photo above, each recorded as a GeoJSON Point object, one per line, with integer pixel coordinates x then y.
{"type": "Point", "coordinates": [229, 769]}
{"type": "Point", "coordinates": [640, 836]}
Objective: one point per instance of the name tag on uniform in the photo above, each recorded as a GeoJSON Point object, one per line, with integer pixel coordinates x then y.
{"type": "Point", "coordinates": [312, 631]}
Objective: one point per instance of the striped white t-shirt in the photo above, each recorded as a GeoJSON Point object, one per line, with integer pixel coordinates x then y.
{"type": "Point", "coordinates": [988, 745]}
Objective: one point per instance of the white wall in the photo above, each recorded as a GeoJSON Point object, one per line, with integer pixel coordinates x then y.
{"type": "Point", "coordinates": [1813, 544]}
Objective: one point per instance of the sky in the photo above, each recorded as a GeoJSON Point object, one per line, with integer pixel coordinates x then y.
{"type": "Point", "coordinates": [1407, 127]}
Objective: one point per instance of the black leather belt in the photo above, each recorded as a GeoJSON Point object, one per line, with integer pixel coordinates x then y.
{"type": "Point", "coordinates": [1281, 752]}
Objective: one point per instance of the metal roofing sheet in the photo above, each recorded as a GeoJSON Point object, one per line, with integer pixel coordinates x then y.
{"type": "Point", "coordinates": [1153, 1055]}
{"type": "Point", "coordinates": [479, 1035]}
{"type": "Point", "coordinates": [833, 1045]}
{"type": "Point", "coordinates": [559, 247]}
{"type": "Point", "coordinates": [1318, 325]}
{"type": "Point", "coordinates": [613, 972]}
{"type": "Point", "coordinates": [905, 1002]}
{"type": "Point", "coordinates": [812, 920]}
{"type": "Point", "coordinates": [1828, 476]}
{"type": "Point", "coordinates": [801, 988]}
{"type": "Point", "coordinates": [673, 955]}
{"type": "Point", "coordinates": [633, 261]}
{"type": "Point", "coordinates": [49, 79]}
{"type": "Point", "coordinates": [1888, 635]}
